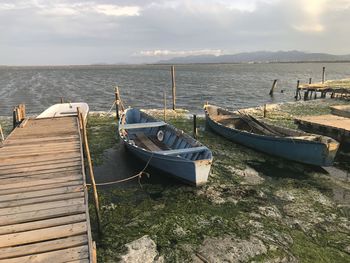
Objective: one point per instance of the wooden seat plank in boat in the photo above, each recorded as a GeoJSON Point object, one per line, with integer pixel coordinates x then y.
{"type": "Point", "coordinates": [43, 202]}
{"type": "Point", "coordinates": [183, 151]}
{"type": "Point", "coordinates": [142, 125]}
{"type": "Point", "coordinates": [150, 145]}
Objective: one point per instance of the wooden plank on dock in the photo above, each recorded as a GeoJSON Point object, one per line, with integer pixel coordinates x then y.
{"type": "Point", "coordinates": [341, 110]}
{"type": "Point", "coordinates": [41, 247]}
{"type": "Point", "coordinates": [43, 199]}
{"type": "Point", "coordinates": [333, 126]}
{"type": "Point", "coordinates": [57, 256]}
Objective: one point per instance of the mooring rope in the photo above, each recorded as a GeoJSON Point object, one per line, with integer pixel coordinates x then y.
{"type": "Point", "coordinates": [138, 175]}
{"type": "Point", "coordinates": [108, 112]}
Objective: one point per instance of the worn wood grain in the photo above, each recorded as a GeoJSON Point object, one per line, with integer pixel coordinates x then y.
{"type": "Point", "coordinates": [45, 246]}
{"type": "Point", "coordinates": [43, 199]}
{"type": "Point", "coordinates": [57, 256]}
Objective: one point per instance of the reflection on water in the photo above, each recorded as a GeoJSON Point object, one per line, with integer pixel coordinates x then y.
{"type": "Point", "coordinates": [230, 85]}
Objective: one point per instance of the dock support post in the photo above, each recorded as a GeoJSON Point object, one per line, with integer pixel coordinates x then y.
{"type": "Point", "coordinates": [18, 114]}
{"type": "Point", "coordinates": [273, 87]}
{"type": "Point", "coordinates": [117, 100]}
{"type": "Point", "coordinates": [311, 90]}
{"type": "Point", "coordinates": [91, 170]}
{"type": "Point", "coordinates": [173, 86]}
{"type": "Point", "coordinates": [23, 111]}
{"type": "Point", "coordinates": [62, 100]}
{"type": "Point", "coordinates": [195, 133]}
{"type": "Point", "coordinates": [323, 75]}
{"type": "Point", "coordinates": [14, 118]}
{"type": "Point", "coordinates": [264, 111]}
{"type": "Point", "coordinates": [2, 133]}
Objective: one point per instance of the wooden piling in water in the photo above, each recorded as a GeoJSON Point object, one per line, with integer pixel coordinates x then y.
{"type": "Point", "coordinates": [117, 101]}
{"type": "Point", "coordinates": [62, 101]}
{"type": "Point", "coordinates": [273, 87]}
{"type": "Point", "coordinates": [164, 102]}
{"type": "Point", "coordinates": [311, 91]}
{"type": "Point", "coordinates": [297, 92]}
{"type": "Point", "coordinates": [173, 86]}
{"type": "Point", "coordinates": [264, 111]}
{"type": "Point", "coordinates": [323, 75]}
{"type": "Point", "coordinates": [14, 118]}
{"type": "Point", "coordinates": [195, 126]}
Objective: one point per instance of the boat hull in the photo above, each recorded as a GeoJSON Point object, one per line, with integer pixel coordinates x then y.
{"type": "Point", "coordinates": [308, 152]}
{"type": "Point", "coordinates": [193, 172]}
{"type": "Point", "coordinates": [65, 109]}
{"type": "Point", "coordinates": [164, 147]}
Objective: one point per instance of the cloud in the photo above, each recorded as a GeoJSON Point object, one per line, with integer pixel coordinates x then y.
{"type": "Point", "coordinates": [76, 31]}
{"type": "Point", "coordinates": [173, 53]}
{"type": "Point", "coordinates": [312, 11]}
{"type": "Point", "coordinates": [67, 8]}
{"type": "Point", "coordinates": [115, 10]}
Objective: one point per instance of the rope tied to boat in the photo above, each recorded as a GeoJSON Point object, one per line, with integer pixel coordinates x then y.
{"type": "Point", "coordinates": [138, 175]}
{"type": "Point", "coordinates": [121, 103]}
{"type": "Point", "coordinates": [108, 112]}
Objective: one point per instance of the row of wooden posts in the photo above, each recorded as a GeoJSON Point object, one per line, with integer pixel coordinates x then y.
{"type": "Point", "coordinates": [308, 94]}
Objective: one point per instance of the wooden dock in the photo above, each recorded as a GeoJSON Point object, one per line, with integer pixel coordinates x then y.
{"type": "Point", "coordinates": [341, 110]}
{"type": "Point", "coordinates": [333, 126]}
{"type": "Point", "coordinates": [337, 88]}
{"type": "Point", "coordinates": [44, 213]}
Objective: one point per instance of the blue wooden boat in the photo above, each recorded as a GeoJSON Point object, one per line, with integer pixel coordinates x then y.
{"type": "Point", "coordinates": [165, 147]}
{"type": "Point", "coordinates": [283, 142]}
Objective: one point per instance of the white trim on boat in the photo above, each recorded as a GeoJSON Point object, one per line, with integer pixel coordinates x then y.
{"type": "Point", "coordinates": [142, 125]}
{"type": "Point", "coordinates": [182, 151]}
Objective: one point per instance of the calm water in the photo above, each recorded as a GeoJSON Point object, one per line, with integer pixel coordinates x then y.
{"type": "Point", "coordinates": [230, 85]}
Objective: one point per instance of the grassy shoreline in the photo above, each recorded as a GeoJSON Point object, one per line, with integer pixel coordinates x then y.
{"type": "Point", "coordinates": [286, 210]}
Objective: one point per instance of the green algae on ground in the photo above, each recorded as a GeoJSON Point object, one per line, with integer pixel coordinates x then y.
{"type": "Point", "coordinates": [291, 211]}
{"type": "Point", "coordinates": [102, 134]}
{"type": "Point", "coordinates": [6, 125]}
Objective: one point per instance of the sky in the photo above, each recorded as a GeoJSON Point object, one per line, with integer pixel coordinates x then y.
{"type": "Point", "coordinates": [61, 32]}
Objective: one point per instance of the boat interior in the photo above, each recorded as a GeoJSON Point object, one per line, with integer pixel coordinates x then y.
{"type": "Point", "coordinates": [245, 122]}
{"type": "Point", "coordinates": [156, 136]}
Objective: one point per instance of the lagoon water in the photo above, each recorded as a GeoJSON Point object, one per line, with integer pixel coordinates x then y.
{"type": "Point", "coordinates": [230, 85]}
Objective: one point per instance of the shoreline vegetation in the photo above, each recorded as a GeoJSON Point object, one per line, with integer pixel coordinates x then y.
{"type": "Point", "coordinates": [254, 207]}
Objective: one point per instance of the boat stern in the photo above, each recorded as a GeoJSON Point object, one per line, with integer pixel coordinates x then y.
{"type": "Point", "coordinates": [202, 170]}
{"type": "Point", "coordinates": [332, 149]}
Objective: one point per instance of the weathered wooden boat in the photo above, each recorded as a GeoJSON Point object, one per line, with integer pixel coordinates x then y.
{"type": "Point", "coordinates": [165, 147]}
{"type": "Point", "coordinates": [283, 142]}
{"type": "Point", "coordinates": [65, 109]}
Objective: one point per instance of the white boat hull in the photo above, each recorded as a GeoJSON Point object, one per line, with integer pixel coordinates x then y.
{"type": "Point", "coordinates": [65, 109]}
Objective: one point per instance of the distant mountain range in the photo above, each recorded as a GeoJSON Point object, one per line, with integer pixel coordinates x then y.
{"type": "Point", "coordinates": [259, 57]}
